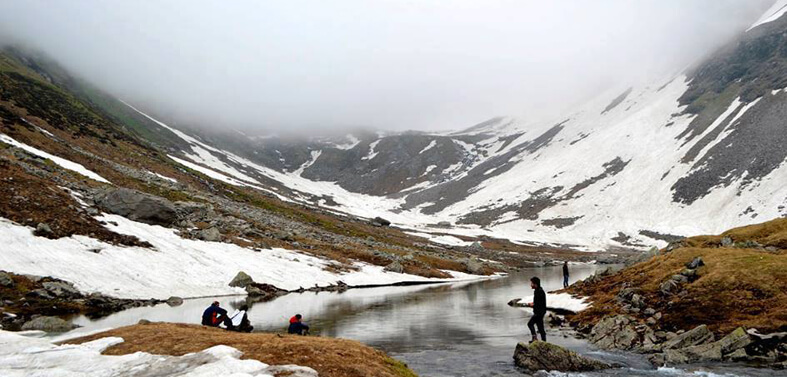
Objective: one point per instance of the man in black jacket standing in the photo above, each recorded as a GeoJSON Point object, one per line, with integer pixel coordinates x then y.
{"type": "Point", "coordinates": [539, 306]}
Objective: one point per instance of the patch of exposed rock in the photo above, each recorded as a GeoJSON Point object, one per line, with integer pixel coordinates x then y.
{"type": "Point", "coordinates": [549, 357]}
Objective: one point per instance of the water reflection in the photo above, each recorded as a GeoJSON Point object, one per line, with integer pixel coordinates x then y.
{"type": "Point", "coordinates": [458, 329]}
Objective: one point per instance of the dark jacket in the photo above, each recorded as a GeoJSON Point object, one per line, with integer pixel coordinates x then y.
{"type": "Point", "coordinates": [539, 302]}
{"type": "Point", "coordinates": [565, 270]}
{"type": "Point", "coordinates": [297, 328]}
{"type": "Point", "coordinates": [212, 316]}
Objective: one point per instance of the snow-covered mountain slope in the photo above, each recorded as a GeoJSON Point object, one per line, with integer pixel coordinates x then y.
{"type": "Point", "coordinates": [695, 153]}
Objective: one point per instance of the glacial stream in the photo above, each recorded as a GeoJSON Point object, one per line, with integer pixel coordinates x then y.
{"type": "Point", "coordinates": [457, 329]}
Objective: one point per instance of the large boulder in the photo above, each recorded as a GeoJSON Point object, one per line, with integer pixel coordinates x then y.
{"type": "Point", "coordinates": [622, 332]}
{"type": "Point", "coordinates": [694, 337]}
{"type": "Point", "coordinates": [695, 263]}
{"type": "Point", "coordinates": [241, 280]}
{"type": "Point", "coordinates": [694, 354]}
{"type": "Point", "coordinates": [734, 341]}
{"type": "Point", "coordinates": [395, 266]}
{"type": "Point", "coordinates": [48, 324]}
{"type": "Point", "coordinates": [210, 234]}
{"type": "Point", "coordinates": [546, 356]}
{"type": "Point", "coordinates": [138, 206]}
{"type": "Point", "coordinates": [474, 266]}
{"type": "Point", "coordinates": [379, 221]}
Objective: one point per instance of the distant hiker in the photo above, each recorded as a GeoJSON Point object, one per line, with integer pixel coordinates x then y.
{"type": "Point", "coordinates": [539, 306]}
{"type": "Point", "coordinates": [297, 326]}
{"type": "Point", "coordinates": [215, 315]}
{"type": "Point", "coordinates": [240, 319]}
{"type": "Point", "coordinates": [565, 274]}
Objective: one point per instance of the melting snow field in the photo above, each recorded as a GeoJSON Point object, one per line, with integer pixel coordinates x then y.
{"type": "Point", "coordinates": [175, 266]}
{"type": "Point", "coordinates": [28, 357]}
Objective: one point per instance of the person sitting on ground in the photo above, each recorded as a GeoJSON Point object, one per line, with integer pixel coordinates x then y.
{"type": "Point", "coordinates": [297, 326]}
{"type": "Point", "coordinates": [240, 319]}
{"type": "Point", "coordinates": [215, 315]}
{"type": "Point", "coordinates": [539, 306]}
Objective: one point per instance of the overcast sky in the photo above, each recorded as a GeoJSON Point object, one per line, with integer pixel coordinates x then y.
{"type": "Point", "coordinates": [419, 64]}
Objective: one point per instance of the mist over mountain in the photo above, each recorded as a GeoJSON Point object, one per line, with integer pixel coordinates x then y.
{"type": "Point", "coordinates": [268, 67]}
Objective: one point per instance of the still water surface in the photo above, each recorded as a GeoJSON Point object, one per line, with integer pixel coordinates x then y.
{"type": "Point", "coordinates": [457, 329]}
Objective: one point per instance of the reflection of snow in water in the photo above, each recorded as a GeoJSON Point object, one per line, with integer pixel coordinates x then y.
{"type": "Point", "coordinates": [438, 330]}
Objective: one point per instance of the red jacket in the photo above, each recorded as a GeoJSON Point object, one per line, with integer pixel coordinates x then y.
{"type": "Point", "coordinates": [293, 319]}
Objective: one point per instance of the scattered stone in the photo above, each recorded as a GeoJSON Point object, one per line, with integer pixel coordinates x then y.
{"type": "Point", "coordinates": [210, 234]}
{"type": "Point", "coordinates": [695, 263]}
{"type": "Point", "coordinates": [6, 280]}
{"type": "Point", "coordinates": [48, 324]}
{"type": "Point", "coordinates": [620, 332]}
{"type": "Point", "coordinates": [241, 280]}
{"type": "Point", "coordinates": [668, 287]}
{"type": "Point", "coordinates": [175, 301]}
{"type": "Point", "coordinates": [443, 224]}
{"type": "Point", "coordinates": [474, 266]}
{"type": "Point", "coordinates": [650, 311]}
{"type": "Point", "coordinates": [476, 247]}
{"type": "Point", "coordinates": [555, 320]}
{"type": "Point", "coordinates": [263, 291]}
{"type": "Point", "coordinates": [674, 245]}
{"type": "Point", "coordinates": [549, 357]}
{"type": "Point", "coordinates": [379, 221]}
{"type": "Point", "coordinates": [43, 229]}
{"type": "Point", "coordinates": [395, 266]}
{"type": "Point", "coordinates": [143, 322]}
{"type": "Point", "coordinates": [726, 242]}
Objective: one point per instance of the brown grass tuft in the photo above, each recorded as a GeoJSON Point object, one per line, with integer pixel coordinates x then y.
{"type": "Point", "coordinates": [330, 357]}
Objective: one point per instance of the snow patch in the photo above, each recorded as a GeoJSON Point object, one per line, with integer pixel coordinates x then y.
{"type": "Point", "coordinates": [562, 301]}
{"type": "Point", "coordinates": [428, 147]}
{"type": "Point", "coordinates": [174, 266]}
{"type": "Point", "coordinates": [24, 356]}
{"type": "Point", "coordinates": [62, 162]}
{"type": "Point", "coordinates": [372, 154]}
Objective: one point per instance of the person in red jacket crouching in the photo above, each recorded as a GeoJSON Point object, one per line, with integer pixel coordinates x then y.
{"type": "Point", "coordinates": [297, 326]}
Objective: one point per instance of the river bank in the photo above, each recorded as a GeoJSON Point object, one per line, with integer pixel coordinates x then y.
{"type": "Point", "coordinates": [703, 299]}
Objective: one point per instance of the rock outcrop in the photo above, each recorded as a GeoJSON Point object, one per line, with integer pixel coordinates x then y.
{"type": "Point", "coordinates": [697, 346]}
{"type": "Point", "coordinates": [549, 357]}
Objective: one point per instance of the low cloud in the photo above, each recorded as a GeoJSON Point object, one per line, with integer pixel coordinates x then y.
{"type": "Point", "coordinates": [425, 65]}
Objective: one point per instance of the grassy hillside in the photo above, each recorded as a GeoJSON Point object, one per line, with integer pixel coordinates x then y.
{"type": "Point", "coordinates": [743, 282]}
